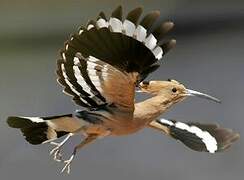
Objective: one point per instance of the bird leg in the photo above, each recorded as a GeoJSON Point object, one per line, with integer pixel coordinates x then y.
{"type": "Point", "coordinates": [87, 140]}
{"type": "Point", "coordinates": [57, 156]}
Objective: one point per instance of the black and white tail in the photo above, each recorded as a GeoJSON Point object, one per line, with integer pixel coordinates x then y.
{"type": "Point", "coordinates": [200, 137]}
{"type": "Point", "coordinates": [38, 130]}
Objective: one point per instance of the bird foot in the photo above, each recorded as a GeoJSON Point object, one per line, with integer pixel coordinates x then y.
{"type": "Point", "coordinates": [57, 156]}
{"type": "Point", "coordinates": [68, 164]}
{"type": "Point", "coordinates": [56, 151]}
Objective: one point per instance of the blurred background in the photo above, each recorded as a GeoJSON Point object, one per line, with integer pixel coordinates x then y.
{"type": "Point", "coordinates": [208, 58]}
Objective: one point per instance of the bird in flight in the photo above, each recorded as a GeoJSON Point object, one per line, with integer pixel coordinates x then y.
{"type": "Point", "coordinates": [101, 67]}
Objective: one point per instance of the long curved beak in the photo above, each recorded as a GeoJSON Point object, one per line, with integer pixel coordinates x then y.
{"type": "Point", "coordinates": [202, 95]}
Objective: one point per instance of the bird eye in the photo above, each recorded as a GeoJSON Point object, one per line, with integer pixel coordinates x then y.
{"type": "Point", "coordinates": [145, 82]}
{"type": "Point", "coordinates": [169, 80]}
{"type": "Point", "coordinates": [174, 90]}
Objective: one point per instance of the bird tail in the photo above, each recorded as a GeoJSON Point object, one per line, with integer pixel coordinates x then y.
{"type": "Point", "coordinates": [199, 137]}
{"type": "Point", "coordinates": [38, 130]}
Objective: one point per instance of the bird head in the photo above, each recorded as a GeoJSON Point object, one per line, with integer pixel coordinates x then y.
{"type": "Point", "coordinates": [172, 90]}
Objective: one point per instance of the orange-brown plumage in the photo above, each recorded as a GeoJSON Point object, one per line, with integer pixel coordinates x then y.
{"type": "Point", "coordinates": [101, 67]}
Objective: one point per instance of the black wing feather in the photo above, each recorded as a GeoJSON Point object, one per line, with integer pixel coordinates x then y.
{"type": "Point", "coordinates": [117, 13]}
{"type": "Point", "coordinates": [150, 19]}
{"type": "Point", "coordinates": [121, 44]}
{"type": "Point", "coordinates": [134, 15]}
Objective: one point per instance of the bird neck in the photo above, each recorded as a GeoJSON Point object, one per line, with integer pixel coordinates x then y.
{"type": "Point", "coordinates": [148, 110]}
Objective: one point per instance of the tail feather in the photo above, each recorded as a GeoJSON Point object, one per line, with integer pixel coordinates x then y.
{"type": "Point", "coordinates": [38, 130]}
{"type": "Point", "coordinates": [19, 122]}
{"type": "Point", "coordinates": [201, 137]}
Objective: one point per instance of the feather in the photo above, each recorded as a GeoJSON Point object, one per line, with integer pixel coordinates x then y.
{"type": "Point", "coordinates": [117, 13]}
{"type": "Point", "coordinates": [149, 19]}
{"type": "Point", "coordinates": [134, 15]}
{"type": "Point", "coordinates": [168, 45]}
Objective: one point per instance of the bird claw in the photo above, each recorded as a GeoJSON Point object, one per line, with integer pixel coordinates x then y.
{"type": "Point", "coordinates": [68, 164]}
{"type": "Point", "coordinates": [57, 156]}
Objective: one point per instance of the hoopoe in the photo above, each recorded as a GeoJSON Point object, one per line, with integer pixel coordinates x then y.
{"type": "Point", "coordinates": [101, 67]}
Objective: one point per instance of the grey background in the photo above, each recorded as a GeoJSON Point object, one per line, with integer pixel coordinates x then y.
{"type": "Point", "coordinates": [208, 57]}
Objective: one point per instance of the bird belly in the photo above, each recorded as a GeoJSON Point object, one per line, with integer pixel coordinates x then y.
{"type": "Point", "coordinates": [123, 128]}
{"type": "Point", "coordinates": [116, 123]}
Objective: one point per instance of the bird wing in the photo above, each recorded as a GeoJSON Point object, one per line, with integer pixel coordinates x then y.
{"type": "Point", "coordinates": [197, 136]}
{"type": "Point", "coordinates": [103, 62]}
{"type": "Point", "coordinates": [96, 83]}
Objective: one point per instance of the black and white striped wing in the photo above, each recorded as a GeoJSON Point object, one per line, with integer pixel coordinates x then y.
{"type": "Point", "coordinates": [113, 48]}
{"type": "Point", "coordinates": [200, 137]}
{"type": "Point", "coordinates": [94, 83]}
